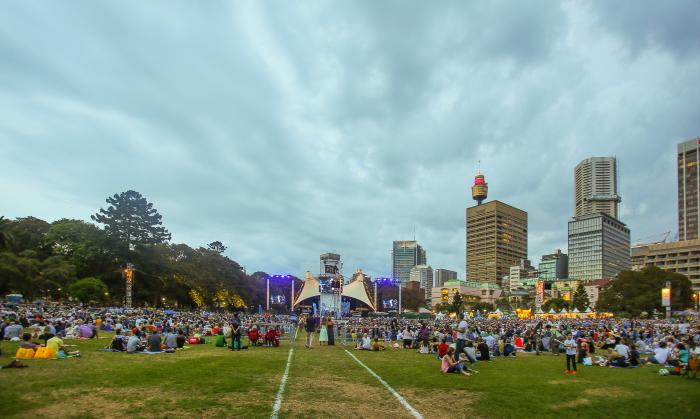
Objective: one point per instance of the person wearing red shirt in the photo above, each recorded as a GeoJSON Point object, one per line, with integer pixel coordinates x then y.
{"type": "Point", "coordinates": [442, 348]}
{"type": "Point", "coordinates": [253, 336]}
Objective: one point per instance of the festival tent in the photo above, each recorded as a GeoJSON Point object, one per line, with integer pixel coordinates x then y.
{"type": "Point", "coordinates": [563, 311]}
{"type": "Point", "coordinates": [357, 289]}
{"type": "Point", "coordinates": [551, 311]}
{"type": "Point", "coordinates": [496, 314]}
{"type": "Point", "coordinates": [310, 289]}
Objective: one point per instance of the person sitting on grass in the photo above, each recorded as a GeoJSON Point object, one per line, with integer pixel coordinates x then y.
{"type": "Point", "coordinates": [442, 348]}
{"type": "Point", "coordinates": [180, 339]}
{"type": "Point", "coordinates": [220, 340]}
{"type": "Point", "coordinates": [117, 343]}
{"type": "Point", "coordinates": [483, 350]}
{"type": "Point", "coordinates": [450, 365]}
{"type": "Point", "coordinates": [56, 345]}
{"type": "Point", "coordinates": [272, 337]}
{"type": "Point", "coordinates": [470, 352]}
{"type": "Point", "coordinates": [253, 335]}
{"type": "Point", "coordinates": [170, 339]}
{"type": "Point", "coordinates": [154, 342]}
{"type": "Point", "coordinates": [376, 346]}
{"type": "Point", "coordinates": [134, 344]}
{"type": "Point", "coordinates": [27, 342]}
{"type": "Point", "coordinates": [365, 344]}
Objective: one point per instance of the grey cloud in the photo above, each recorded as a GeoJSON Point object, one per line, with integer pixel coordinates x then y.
{"type": "Point", "coordinates": [289, 130]}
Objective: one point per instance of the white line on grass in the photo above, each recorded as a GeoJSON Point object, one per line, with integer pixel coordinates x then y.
{"type": "Point", "coordinates": [403, 401]}
{"type": "Point", "coordinates": [280, 392]}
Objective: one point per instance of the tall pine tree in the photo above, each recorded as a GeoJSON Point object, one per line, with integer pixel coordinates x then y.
{"type": "Point", "coordinates": [131, 220]}
{"type": "Point", "coordinates": [580, 299]}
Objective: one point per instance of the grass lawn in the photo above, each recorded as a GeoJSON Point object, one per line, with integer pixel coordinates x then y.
{"type": "Point", "coordinates": [327, 382]}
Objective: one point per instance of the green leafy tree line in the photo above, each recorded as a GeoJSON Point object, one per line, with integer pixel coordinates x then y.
{"type": "Point", "coordinates": [78, 259]}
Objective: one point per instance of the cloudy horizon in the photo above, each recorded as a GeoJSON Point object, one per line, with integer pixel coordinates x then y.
{"type": "Point", "coordinates": [287, 130]}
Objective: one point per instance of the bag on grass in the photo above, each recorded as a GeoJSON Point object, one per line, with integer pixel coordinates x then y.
{"type": "Point", "coordinates": [588, 361]}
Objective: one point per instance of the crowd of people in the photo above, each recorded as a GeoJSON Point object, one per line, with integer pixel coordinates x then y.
{"type": "Point", "coordinates": [135, 331]}
{"type": "Point", "coordinates": [458, 343]}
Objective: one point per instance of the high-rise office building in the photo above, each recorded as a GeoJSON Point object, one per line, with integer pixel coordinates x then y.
{"type": "Point", "coordinates": [595, 187]}
{"type": "Point", "coordinates": [443, 275]}
{"type": "Point", "coordinates": [406, 254]}
{"type": "Point", "coordinates": [496, 240]}
{"type": "Point", "coordinates": [689, 190]}
{"type": "Point", "coordinates": [554, 266]}
{"type": "Point", "coordinates": [599, 247]}
{"type": "Point", "coordinates": [423, 275]}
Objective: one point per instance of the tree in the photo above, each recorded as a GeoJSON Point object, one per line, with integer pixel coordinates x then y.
{"type": "Point", "coordinates": [132, 220]}
{"type": "Point", "coordinates": [634, 292]}
{"type": "Point", "coordinates": [457, 302]}
{"type": "Point", "coordinates": [28, 234]}
{"type": "Point", "coordinates": [217, 247]}
{"type": "Point", "coordinates": [88, 290]}
{"type": "Point", "coordinates": [5, 235]}
{"type": "Point", "coordinates": [580, 298]}
{"type": "Point", "coordinates": [83, 244]}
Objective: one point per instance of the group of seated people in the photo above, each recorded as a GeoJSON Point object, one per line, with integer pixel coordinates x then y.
{"type": "Point", "coordinates": [365, 343]}
{"type": "Point", "coordinates": [137, 340]}
{"type": "Point", "coordinates": [271, 337]}
{"type": "Point", "coordinates": [52, 348]}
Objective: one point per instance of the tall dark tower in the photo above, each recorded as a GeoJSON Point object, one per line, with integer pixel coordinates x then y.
{"type": "Point", "coordinates": [480, 188]}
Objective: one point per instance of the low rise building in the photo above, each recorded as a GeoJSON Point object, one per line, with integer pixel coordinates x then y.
{"type": "Point", "coordinates": [682, 257]}
{"type": "Point", "coordinates": [471, 291]}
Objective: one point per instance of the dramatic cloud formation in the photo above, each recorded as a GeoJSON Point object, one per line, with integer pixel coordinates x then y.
{"type": "Point", "coordinates": [289, 129]}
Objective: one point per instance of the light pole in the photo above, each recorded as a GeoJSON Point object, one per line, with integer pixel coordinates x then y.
{"type": "Point", "coordinates": [400, 286]}
{"type": "Point", "coordinates": [268, 292]}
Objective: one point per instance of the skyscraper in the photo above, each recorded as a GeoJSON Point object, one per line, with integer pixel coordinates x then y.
{"type": "Point", "coordinates": [688, 190]}
{"type": "Point", "coordinates": [406, 254]}
{"type": "Point", "coordinates": [496, 240]}
{"type": "Point", "coordinates": [599, 247]}
{"type": "Point", "coordinates": [595, 188]}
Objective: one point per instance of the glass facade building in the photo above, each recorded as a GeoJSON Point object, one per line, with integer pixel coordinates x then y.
{"type": "Point", "coordinates": [406, 254]}
{"type": "Point", "coordinates": [554, 266]}
{"type": "Point", "coordinates": [599, 247]}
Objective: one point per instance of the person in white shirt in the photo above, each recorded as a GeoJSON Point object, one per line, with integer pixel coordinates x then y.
{"type": "Point", "coordinates": [620, 353]}
{"type": "Point", "coordinates": [660, 354]}
{"type": "Point", "coordinates": [461, 336]}
{"type": "Point", "coordinates": [570, 346]}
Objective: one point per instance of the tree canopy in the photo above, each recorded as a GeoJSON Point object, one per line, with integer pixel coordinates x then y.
{"type": "Point", "coordinates": [47, 260]}
{"type": "Point", "coordinates": [634, 292]}
{"type": "Point", "coordinates": [131, 220]}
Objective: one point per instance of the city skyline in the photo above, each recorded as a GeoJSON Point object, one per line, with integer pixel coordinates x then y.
{"type": "Point", "coordinates": [286, 133]}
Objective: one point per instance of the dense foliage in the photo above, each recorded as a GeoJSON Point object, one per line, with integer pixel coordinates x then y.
{"type": "Point", "coordinates": [637, 292]}
{"type": "Point", "coordinates": [74, 258]}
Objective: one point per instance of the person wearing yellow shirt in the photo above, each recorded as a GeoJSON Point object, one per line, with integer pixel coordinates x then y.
{"type": "Point", "coordinates": [56, 345]}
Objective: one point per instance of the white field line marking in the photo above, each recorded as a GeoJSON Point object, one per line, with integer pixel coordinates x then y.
{"type": "Point", "coordinates": [403, 401]}
{"type": "Point", "coordinates": [278, 400]}
{"type": "Point", "coordinates": [280, 392]}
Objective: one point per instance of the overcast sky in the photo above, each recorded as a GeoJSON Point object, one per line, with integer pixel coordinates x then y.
{"type": "Point", "coordinates": [290, 129]}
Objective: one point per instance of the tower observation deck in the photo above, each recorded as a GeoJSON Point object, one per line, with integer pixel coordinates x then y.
{"type": "Point", "coordinates": [480, 188]}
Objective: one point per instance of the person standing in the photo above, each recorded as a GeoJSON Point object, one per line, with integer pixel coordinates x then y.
{"type": "Point", "coordinates": [323, 336]}
{"type": "Point", "coordinates": [235, 333]}
{"type": "Point", "coordinates": [461, 335]}
{"type": "Point", "coordinates": [331, 331]}
{"type": "Point", "coordinates": [570, 347]}
{"type": "Point", "coordinates": [310, 328]}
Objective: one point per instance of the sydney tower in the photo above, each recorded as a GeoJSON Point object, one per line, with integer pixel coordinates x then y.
{"type": "Point", "coordinates": [480, 188]}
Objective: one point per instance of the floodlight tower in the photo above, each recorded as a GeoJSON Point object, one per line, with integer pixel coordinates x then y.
{"type": "Point", "coordinates": [480, 188]}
